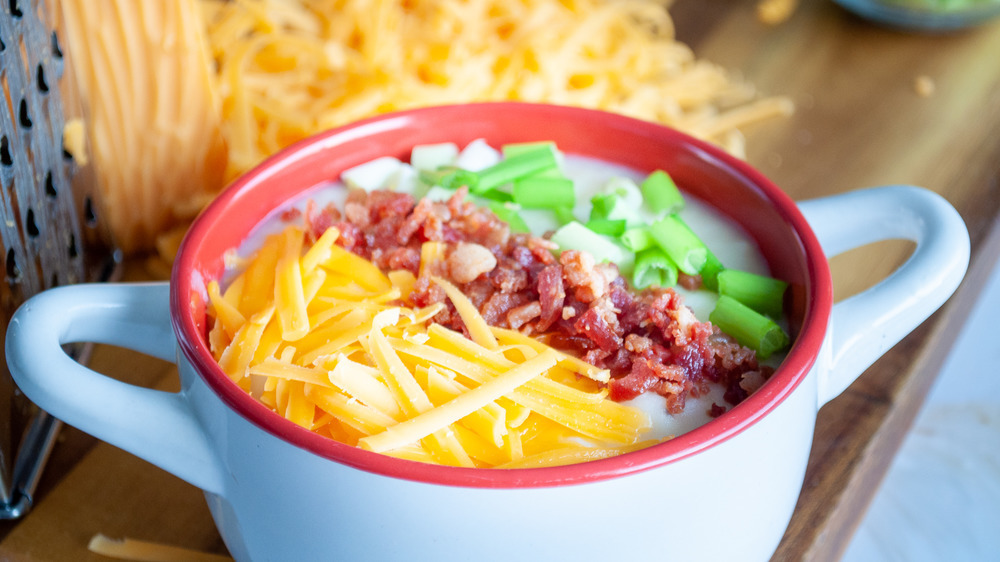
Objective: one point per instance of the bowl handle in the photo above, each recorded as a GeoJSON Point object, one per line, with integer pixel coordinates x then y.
{"type": "Point", "coordinates": [866, 325]}
{"type": "Point", "coordinates": [157, 426]}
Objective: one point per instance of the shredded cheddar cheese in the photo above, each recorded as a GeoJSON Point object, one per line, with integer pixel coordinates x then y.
{"type": "Point", "coordinates": [288, 68]}
{"type": "Point", "coordinates": [327, 343]}
{"type": "Point", "coordinates": [144, 551]}
{"type": "Point", "coordinates": [182, 97]}
{"type": "Point", "coordinates": [154, 123]}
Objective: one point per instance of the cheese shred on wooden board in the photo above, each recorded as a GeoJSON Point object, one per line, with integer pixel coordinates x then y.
{"type": "Point", "coordinates": [144, 551]}
{"type": "Point", "coordinates": [328, 344]}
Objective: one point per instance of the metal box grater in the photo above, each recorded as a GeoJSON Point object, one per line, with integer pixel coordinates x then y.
{"type": "Point", "coordinates": [51, 233]}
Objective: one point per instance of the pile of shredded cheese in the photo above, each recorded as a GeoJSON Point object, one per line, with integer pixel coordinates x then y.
{"type": "Point", "coordinates": [290, 68]}
{"type": "Point", "coordinates": [318, 335]}
{"type": "Point", "coordinates": [183, 97]}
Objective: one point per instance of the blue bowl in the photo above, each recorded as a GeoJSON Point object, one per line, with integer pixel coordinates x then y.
{"type": "Point", "coordinates": [925, 15]}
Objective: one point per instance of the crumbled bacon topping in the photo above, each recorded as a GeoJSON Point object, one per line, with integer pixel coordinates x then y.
{"type": "Point", "coordinates": [648, 340]}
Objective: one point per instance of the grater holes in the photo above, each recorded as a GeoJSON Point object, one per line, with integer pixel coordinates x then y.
{"type": "Point", "coordinates": [73, 250]}
{"type": "Point", "coordinates": [13, 271]}
{"type": "Point", "coordinates": [50, 186]}
{"type": "Point", "coordinates": [5, 157]}
{"type": "Point", "coordinates": [56, 49]}
{"type": "Point", "coordinates": [31, 227]}
{"type": "Point", "coordinates": [15, 9]}
{"type": "Point", "coordinates": [88, 212]}
{"type": "Point", "coordinates": [23, 116]}
{"type": "Point", "coordinates": [43, 86]}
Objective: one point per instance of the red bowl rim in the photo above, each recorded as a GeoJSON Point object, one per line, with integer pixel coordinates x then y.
{"type": "Point", "coordinates": [796, 366]}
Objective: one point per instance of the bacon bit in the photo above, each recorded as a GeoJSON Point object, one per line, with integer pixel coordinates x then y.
{"type": "Point", "coordinates": [523, 314]}
{"type": "Point", "coordinates": [581, 275]}
{"type": "Point", "coordinates": [413, 221]}
{"type": "Point", "coordinates": [595, 323]}
{"type": "Point", "coordinates": [509, 279]}
{"type": "Point", "coordinates": [689, 282]}
{"type": "Point", "coordinates": [400, 258]}
{"type": "Point", "coordinates": [639, 380]}
{"type": "Point", "coordinates": [468, 261]}
{"type": "Point", "coordinates": [751, 381]}
{"type": "Point", "coordinates": [551, 295]}
{"type": "Point", "coordinates": [716, 410]}
{"type": "Point", "coordinates": [638, 344]}
{"type": "Point", "coordinates": [357, 214]}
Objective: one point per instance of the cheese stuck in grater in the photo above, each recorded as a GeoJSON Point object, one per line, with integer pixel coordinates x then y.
{"type": "Point", "coordinates": [152, 114]}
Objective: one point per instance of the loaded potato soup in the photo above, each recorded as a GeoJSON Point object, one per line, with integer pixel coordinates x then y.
{"type": "Point", "coordinates": [498, 307]}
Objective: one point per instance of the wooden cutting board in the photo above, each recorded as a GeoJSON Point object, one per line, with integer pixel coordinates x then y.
{"type": "Point", "coordinates": [860, 122]}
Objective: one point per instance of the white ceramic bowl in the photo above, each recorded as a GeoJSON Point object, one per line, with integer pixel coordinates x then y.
{"type": "Point", "coordinates": [723, 491]}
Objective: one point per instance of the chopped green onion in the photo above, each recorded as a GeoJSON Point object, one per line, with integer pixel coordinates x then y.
{"type": "Point", "coordinates": [609, 227]}
{"type": "Point", "coordinates": [544, 193]}
{"type": "Point", "coordinates": [515, 148]}
{"type": "Point", "coordinates": [761, 293]}
{"type": "Point", "coordinates": [613, 206]}
{"type": "Point", "coordinates": [653, 267]}
{"type": "Point", "coordinates": [601, 205]}
{"type": "Point", "coordinates": [626, 189]}
{"type": "Point", "coordinates": [637, 239]}
{"type": "Point", "coordinates": [496, 195]}
{"type": "Point", "coordinates": [449, 177]}
{"type": "Point", "coordinates": [710, 272]}
{"type": "Point", "coordinates": [564, 215]}
{"type": "Point", "coordinates": [680, 243]}
{"type": "Point", "coordinates": [661, 193]}
{"type": "Point", "coordinates": [749, 327]}
{"type": "Point", "coordinates": [510, 213]}
{"type": "Point", "coordinates": [515, 167]}
{"type": "Point", "coordinates": [575, 236]}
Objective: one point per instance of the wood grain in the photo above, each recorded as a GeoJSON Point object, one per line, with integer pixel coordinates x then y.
{"type": "Point", "coordinates": [859, 122]}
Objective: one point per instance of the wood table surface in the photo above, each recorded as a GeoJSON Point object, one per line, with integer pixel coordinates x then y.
{"type": "Point", "coordinates": [859, 122]}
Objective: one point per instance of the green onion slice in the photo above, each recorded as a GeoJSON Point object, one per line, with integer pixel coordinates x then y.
{"type": "Point", "coordinates": [710, 272]}
{"type": "Point", "coordinates": [680, 243]}
{"type": "Point", "coordinates": [749, 327]}
{"type": "Point", "coordinates": [564, 215]}
{"type": "Point", "coordinates": [653, 267]}
{"type": "Point", "coordinates": [608, 227]}
{"type": "Point", "coordinates": [611, 205]}
{"type": "Point", "coordinates": [517, 166]}
{"type": "Point", "coordinates": [510, 213]}
{"type": "Point", "coordinates": [637, 239]}
{"type": "Point", "coordinates": [544, 193]}
{"type": "Point", "coordinates": [575, 236]}
{"type": "Point", "coordinates": [764, 294]}
{"type": "Point", "coordinates": [449, 177]}
{"type": "Point", "coordinates": [661, 194]}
